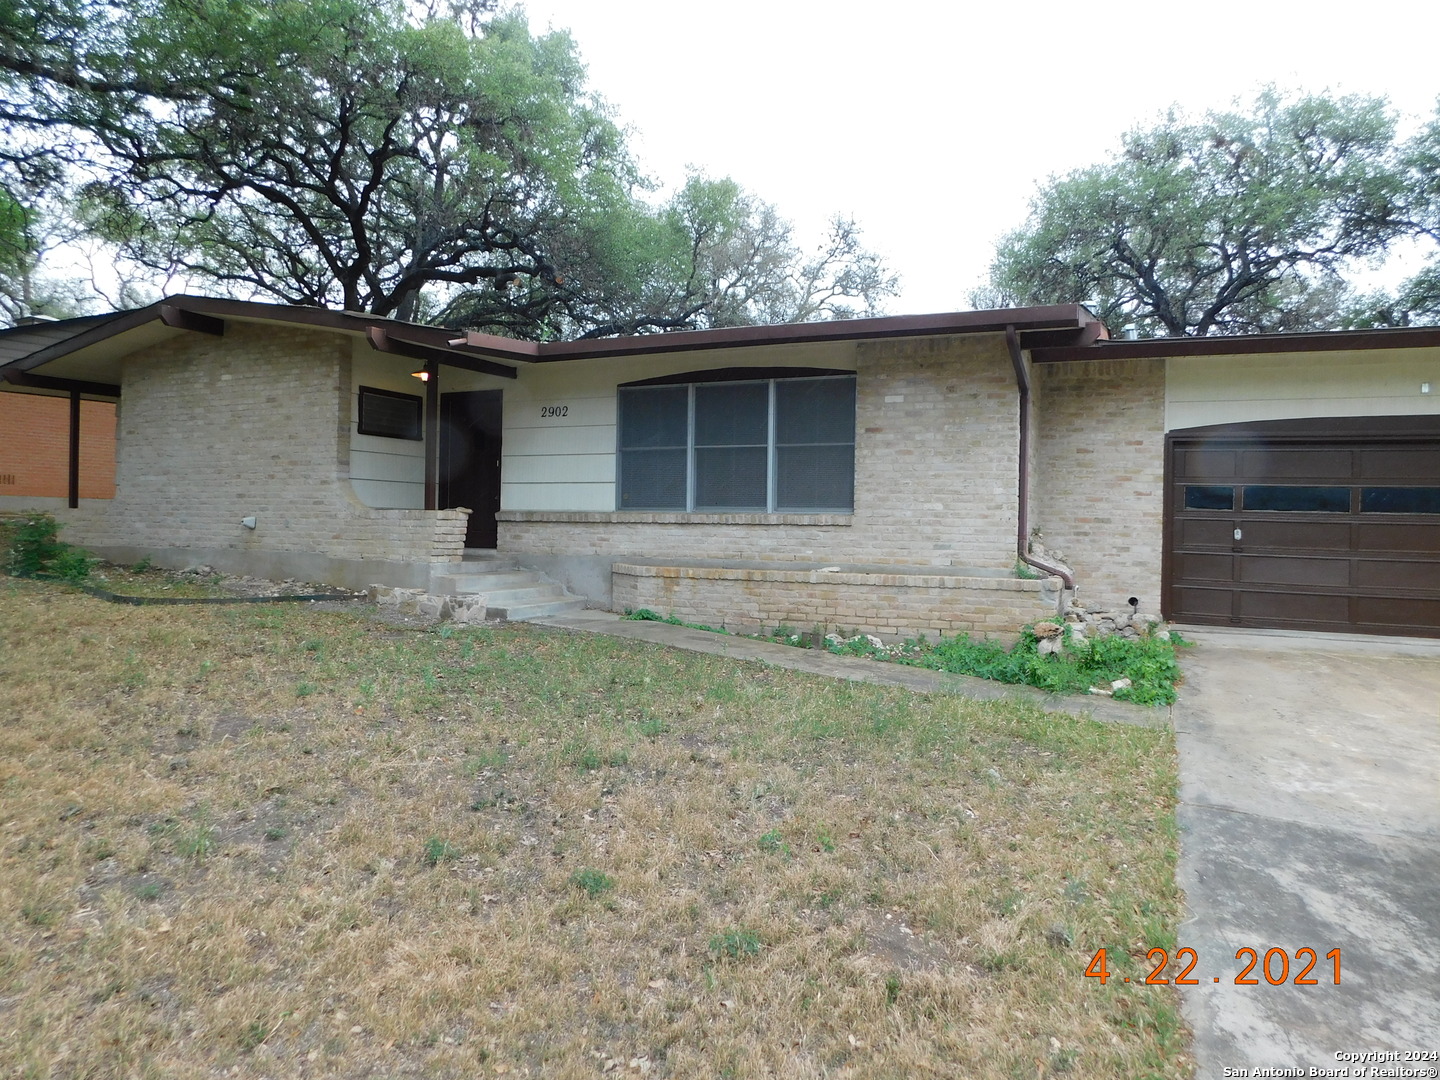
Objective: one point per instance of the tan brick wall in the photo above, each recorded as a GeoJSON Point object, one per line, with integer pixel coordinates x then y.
{"type": "Point", "coordinates": [215, 429]}
{"type": "Point", "coordinates": [1097, 483]}
{"type": "Point", "coordinates": [935, 477]}
{"type": "Point", "coordinates": [889, 605]}
{"type": "Point", "coordinates": [35, 447]}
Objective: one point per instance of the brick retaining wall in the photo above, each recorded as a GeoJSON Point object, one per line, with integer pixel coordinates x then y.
{"type": "Point", "coordinates": [895, 605]}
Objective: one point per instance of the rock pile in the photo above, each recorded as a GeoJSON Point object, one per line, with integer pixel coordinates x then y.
{"type": "Point", "coordinates": [1100, 622]}
{"type": "Point", "coordinates": [460, 609]}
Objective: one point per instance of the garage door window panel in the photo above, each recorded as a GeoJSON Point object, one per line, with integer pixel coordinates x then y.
{"type": "Point", "coordinates": [1400, 500]}
{"type": "Point", "coordinates": [1209, 497]}
{"type": "Point", "coordinates": [1297, 499]}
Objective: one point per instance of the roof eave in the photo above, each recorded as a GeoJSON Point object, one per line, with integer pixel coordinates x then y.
{"type": "Point", "coordinates": [1243, 345]}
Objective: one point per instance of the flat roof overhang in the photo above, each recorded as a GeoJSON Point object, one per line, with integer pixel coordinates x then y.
{"type": "Point", "coordinates": [85, 354]}
{"type": "Point", "coordinates": [1407, 337]}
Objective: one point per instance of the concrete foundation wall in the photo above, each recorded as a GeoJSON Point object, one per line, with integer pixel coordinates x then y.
{"type": "Point", "coordinates": [1098, 475]}
{"type": "Point", "coordinates": [254, 423]}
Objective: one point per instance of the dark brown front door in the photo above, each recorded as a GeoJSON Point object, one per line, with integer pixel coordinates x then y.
{"type": "Point", "coordinates": [470, 460]}
{"type": "Point", "coordinates": [1324, 524]}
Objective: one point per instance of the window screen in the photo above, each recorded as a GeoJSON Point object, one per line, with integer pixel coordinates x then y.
{"type": "Point", "coordinates": [815, 444]}
{"type": "Point", "coordinates": [778, 445]}
{"type": "Point", "coordinates": [389, 414]}
{"type": "Point", "coordinates": [654, 431]}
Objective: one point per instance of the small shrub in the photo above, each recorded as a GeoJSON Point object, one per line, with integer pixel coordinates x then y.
{"type": "Point", "coordinates": [36, 551]}
{"type": "Point", "coordinates": [892, 989]}
{"type": "Point", "coordinates": [771, 843]}
{"type": "Point", "coordinates": [592, 882]}
{"type": "Point", "coordinates": [735, 944]}
{"type": "Point", "coordinates": [438, 851]}
{"type": "Point", "coordinates": [41, 915]}
{"type": "Point", "coordinates": [252, 1035]}
{"type": "Point", "coordinates": [194, 842]}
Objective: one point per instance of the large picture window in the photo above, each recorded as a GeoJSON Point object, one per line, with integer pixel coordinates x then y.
{"type": "Point", "coordinates": [769, 445]}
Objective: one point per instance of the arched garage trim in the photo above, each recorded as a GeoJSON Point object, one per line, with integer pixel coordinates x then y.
{"type": "Point", "coordinates": [1320, 523]}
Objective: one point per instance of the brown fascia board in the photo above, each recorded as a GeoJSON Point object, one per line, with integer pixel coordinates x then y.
{"type": "Point", "coordinates": [207, 314]}
{"type": "Point", "coordinates": [1068, 318]}
{"type": "Point", "coordinates": [1409, 337]}
{"type": "Point", "coordinates": [1064, 319]}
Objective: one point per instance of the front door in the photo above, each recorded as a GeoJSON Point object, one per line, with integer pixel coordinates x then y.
{"type": "Point", "coordinates": [470, 460]}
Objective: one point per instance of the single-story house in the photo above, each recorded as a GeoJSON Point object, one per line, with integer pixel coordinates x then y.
{"type": "Point", "coordinates": [970, 471]}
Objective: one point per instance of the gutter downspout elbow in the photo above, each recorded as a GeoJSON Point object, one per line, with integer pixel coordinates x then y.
{"type": "Point", "coordinates": [1022, 517]}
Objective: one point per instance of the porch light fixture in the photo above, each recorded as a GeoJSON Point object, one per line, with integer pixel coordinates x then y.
{"type": "Point", "coordinates": [422, 375]}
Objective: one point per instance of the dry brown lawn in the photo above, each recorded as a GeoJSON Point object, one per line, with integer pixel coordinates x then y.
{"type": "Point", "coordinates": [275, 841]}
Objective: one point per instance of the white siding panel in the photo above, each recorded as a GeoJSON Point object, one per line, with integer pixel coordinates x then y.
{"type": "Point", "coordinates": [527, 411]}
{"type": "Point", "coordinates": [380, 444]}
{"type": "Point", "coordinates": [552, 469]}
{"type": "Point", "coordinates": [1204, 390]}
{"type": "Point", "coordinates": [557, 496]}
{"type": "Point", "coordinates": [407, 468]}
{"type": "Point", "coordinates": [389, 494]}
{"type": "Point", "coordinates": [524, 442]}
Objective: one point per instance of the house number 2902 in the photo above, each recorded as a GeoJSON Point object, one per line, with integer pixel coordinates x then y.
{"type": "Point", "coordinates": [549, 411]}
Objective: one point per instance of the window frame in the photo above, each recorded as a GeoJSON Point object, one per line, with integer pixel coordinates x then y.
{"type": "Point", "coordinates": [768, 377]}
{"type": "Point", "coordinates": [417, 424]}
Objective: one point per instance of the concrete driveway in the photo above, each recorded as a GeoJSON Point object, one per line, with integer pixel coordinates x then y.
{"type": "Point", "coordinates": [1310, 817]}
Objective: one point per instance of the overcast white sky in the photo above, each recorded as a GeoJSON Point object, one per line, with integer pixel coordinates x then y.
{"type": "Point", "coordinates": [932, 123]}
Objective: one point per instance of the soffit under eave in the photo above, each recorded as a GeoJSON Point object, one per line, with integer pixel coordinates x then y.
{"type": "Point", "coordinates": [101, 361]}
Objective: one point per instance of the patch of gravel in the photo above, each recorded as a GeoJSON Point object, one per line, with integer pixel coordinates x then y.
{"type": "Point", "coordinates": [244, 585]}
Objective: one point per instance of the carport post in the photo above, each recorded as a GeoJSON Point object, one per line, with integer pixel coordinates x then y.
{"type": "Point", "coordinates": [432, 435]}
{"type": "Point", "coordinates": [74, 449]}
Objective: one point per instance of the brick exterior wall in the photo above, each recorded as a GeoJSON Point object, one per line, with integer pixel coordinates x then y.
{"type": "Point", "coordinates": [935, 477]}
{"type": "Point", "coordinates": [35, 447]}
{"type": "Point", "coordinates": [256, 422]}
{"type": "Point", "coordinates": [935, 485]}
{"type": "Point", "coordinates": [1097, 484]}
{"type": "Point", "coordinates": [891, 605]}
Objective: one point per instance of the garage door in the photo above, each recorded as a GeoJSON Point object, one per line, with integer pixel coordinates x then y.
{"type": "Point", "coordinates": [1330, 524]}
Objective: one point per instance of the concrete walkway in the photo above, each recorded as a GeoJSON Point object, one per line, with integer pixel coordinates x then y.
{"type": "Point", "coordinates": [856, 669]}
{"type": "Point", "coordinates": [1310, 817]}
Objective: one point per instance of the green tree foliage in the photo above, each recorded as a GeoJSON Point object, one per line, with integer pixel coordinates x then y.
{"type": "Point", "coordinates": [1238, 222]}
{"type": "Point", "coordinates": [402, 160]}
{"type": "Point", "coordinates": [1416, 302]}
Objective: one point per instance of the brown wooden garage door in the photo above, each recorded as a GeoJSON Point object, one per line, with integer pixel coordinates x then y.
{"type": "Point", "coordinates": [1329, 524]}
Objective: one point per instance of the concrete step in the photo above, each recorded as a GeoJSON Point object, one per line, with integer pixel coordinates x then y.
{"type": "Point", "coordinates": [521, 612]}
{"type": "Point", "coordinates": [472, 581]}
{"type": "Point", "coordinates": [510, 592]}
{"type": "Point", "coordinates": [533, 594]}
